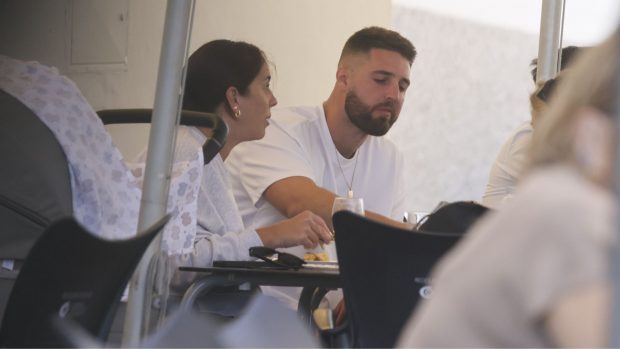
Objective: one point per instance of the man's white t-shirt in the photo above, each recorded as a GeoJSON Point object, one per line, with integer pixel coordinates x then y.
{"type": "Point", "coordinates": [298, 143]}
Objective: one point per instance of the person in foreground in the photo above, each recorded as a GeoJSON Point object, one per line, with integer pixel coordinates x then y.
{"type": "Point", "coordinates": [538, 273]}
{"type": "Point", "coordinates": [232, 80]}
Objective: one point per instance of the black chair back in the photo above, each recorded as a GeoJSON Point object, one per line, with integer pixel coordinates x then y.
{"type": "Point", "coordinates": [385, 272]}
{"type": "Point", "coordinates": [70, 274]}
{"type": "Point", "coordinates": [453, 217]}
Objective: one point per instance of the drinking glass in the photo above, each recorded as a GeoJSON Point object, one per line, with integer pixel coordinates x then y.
{"type": "Point", "coordinates": [355, 205]}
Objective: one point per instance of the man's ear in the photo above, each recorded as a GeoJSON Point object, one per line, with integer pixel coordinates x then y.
{"type": "Point", "coordinates": [594, 143]}
{"type": "Point", "coordinates": [342, 75]}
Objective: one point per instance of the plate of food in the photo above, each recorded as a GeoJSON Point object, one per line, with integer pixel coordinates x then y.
{"type": "Point", "coordinates": [316, 256]}
{"type": "Point", "coordinates": [319, 260]}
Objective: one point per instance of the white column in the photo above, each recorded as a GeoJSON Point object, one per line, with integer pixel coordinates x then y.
{"type": "Point", "coordinates": [166, 111]}
{"type": "Point", "coordinates": [550, 39]}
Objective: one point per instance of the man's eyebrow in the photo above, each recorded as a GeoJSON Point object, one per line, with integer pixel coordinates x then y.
{"type": "Point", "coordinates": [383, 72]}
{"type": "Point", "coordinates": [390, 74]}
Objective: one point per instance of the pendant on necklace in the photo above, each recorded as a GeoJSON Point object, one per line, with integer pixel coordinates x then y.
{"type": "Point", "coordinates": [350, 194]}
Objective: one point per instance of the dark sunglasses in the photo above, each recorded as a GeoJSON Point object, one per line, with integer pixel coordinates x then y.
{"type": "Point", "coordinates": [282, 259]}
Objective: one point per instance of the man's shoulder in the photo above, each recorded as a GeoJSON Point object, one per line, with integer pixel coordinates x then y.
{"type": "Point", "coordinates": [298, 116]}
{"type": "Point", "coordinates": [303, 124]}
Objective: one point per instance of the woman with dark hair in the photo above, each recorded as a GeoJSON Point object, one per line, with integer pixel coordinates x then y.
{"type": "Point", "coordinates": [232, 80]}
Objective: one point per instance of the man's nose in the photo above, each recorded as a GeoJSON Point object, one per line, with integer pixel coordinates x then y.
{"type": "Point", "coordinates": [393, 92]}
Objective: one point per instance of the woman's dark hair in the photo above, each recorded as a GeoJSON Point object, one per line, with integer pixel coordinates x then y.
{"type": "Point", "coordinates": [216, 66]}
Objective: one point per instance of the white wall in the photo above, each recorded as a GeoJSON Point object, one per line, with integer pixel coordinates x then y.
{"type": "Point", "coordinates": [303, 38]}
{"type": "Point", "coordinates": [470, 86]}
{"type": "Point", "coordinates": [37, 30]}
{"type": "Point", "coordinates": [586, 21]}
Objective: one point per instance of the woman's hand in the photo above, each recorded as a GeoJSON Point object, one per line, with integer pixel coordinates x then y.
{"type": "Point", "coordinates": [306, 228]}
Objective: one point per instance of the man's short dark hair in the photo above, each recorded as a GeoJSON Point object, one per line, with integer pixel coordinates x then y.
{"type": "Point", "coordinates": [376, 37]}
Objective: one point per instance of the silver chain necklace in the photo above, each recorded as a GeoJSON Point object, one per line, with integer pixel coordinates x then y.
{"type": "Point", "coordinates": [349, 185]}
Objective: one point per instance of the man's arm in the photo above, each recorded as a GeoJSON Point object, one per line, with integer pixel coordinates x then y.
{"type": "Point", "coordinates": [293, 195]}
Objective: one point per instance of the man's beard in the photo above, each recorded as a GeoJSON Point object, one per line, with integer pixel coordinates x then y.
{"type": "Point", "coordinates": [360, 115]}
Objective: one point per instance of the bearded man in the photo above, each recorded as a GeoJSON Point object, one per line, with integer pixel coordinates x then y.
{"type": "Point", "coordinates": [311, 155]}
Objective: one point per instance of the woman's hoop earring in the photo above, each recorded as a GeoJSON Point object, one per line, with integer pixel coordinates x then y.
{"type": "Point", "coordinates": [237, 112]}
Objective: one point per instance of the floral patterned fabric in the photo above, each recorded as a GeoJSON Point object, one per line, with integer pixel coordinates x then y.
{"type": "Point", "coordinates": [106, 193]}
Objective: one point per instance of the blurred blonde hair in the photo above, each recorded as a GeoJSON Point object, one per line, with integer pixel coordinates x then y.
{"type": "Point", "coordinates": [589, 84]}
